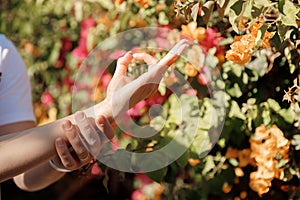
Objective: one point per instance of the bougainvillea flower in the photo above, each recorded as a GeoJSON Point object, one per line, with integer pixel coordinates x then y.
{"type": "Point", "coordinates": [192, 31]}
{"type": "Point", "coordinates": [244, 157]}
{"type": "Point", "coordinates": [47, 99]}
{"type": "Point", "coordinates": [255, 27]}
{"type": "Point", "coordinates": [142, 3]}
{"type": "Point", "coordinates": [190, 70]}
{"type": "Point", "coordinates": [211, 39]}
{"type": "Point", "coordinates": [266, 39]}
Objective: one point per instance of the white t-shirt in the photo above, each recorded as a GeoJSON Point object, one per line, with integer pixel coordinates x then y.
{"type": "Point", "coordinates": [15, 90]}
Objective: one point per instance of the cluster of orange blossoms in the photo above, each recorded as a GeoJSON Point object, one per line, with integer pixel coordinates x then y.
{"type": "Point", "coordinates": [267, 146]}
{"type": "Point", "coordinates": [243, 46]}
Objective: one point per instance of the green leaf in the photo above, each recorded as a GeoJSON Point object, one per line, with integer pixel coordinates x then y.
{"type": "Point", "coordinates": [158, 123]}
{"type": "Point", "coordinates": [201, 144]}
{"type": "Point", "coordinates": [158, 175]}
{"type": "Point", "coordinates": [274, 105]}
{"type": "Point", "coordinates": [209, 164]}
{"type": "Point", "coordinates": [237, 7]}
{"type": "Point", "coordinates": [183, 160]}
{"type": "Point", "coordinates": [262, 3]}
{"type": "Point", "coordinates": [235, 91]}
{"type": "Point", "coordinates": [235, 111]}
{"type": "Point", "coordinates": [259, 65]}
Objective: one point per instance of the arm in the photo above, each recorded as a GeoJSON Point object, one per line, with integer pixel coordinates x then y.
{"type": "Point", "coordinates": [121, 96]}
{"type": "Point", "coordinates": [44, 175]}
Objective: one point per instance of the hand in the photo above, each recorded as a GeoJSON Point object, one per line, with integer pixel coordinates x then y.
{"type": "Point", "coordinates": [82, 142]}
{"type": "Point", "coordinates": [124, 92]}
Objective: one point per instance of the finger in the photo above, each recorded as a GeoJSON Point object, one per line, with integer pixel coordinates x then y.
{"type": "Point", "coordinates": [122, 64]}
{"type": "Point", "coordinates": [71, 132]}
{"type": "Point", "coordinates": [64, 154]}
{"type": "Point", "coordinates": [174, 53]}
{"type": "Point", "coordinates": [88, 133]}
{"type": "Point", "coordinates": [106, 128]}
{"type": "Point", "coordinates": [150, 60]}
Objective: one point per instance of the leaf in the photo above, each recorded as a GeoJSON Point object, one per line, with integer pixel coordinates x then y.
{"type": "Point", "coordinates": [221, 7]}
{"type": "Point", "coordinates": [195, 10]}
{"type": "Point", "coordinates": [259, 65]}
{"type": "Point", "coordinates": [262, 3]}
{"type": "Point", "coordinates": [209, 164]}
{"type": "Point", "coordinates": [235, 111]}
{"type": "Point", "coordinates": [106, 179]}
{"type": "Point", "coordinates": [290, 12]}
{"type": "Point", "coordinates": [158, 175]}
{"type": "Point", "coordinates": [207, 8]}
{"type": "Point", "coordinates": [237, 7]}
{"type": "Point", "coordinates": [235, 91]}
{"type": "Point", "coordinates": [183, 160]}
{"type": "Point", "coordinates": [201, 144]}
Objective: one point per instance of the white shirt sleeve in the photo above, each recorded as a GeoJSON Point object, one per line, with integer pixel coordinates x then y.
{"type": "Point", "coordinates": [15, 90]}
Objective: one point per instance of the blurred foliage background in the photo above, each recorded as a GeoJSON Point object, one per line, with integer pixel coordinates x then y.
{"type": "Point", "coordinates": [252, 45]}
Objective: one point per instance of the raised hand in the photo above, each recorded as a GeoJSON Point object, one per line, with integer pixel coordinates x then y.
{"type": "Point", "coordinates": [124, 92]}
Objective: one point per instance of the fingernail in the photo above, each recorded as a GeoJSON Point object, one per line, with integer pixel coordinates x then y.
{"type": "Point", "coordinates": [67, 125]}
{"type": "Point", "coordinates": [80, 116]}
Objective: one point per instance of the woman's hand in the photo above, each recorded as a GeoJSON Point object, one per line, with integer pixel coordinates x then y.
{"type": "Point", "coordinates": [81, 143]}
{"type": "Point", "coordinates": [124, 92]}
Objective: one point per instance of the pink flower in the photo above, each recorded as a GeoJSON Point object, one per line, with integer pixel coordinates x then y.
{"type": "Point", "coordinates": [105, 80]}
{"type": "Point", "coordinates": [96, 170]}
{"type": "Point", "coordinates": [144, 179]}
{"type": "Point", "coordinates": [138, 110]}
{"type": "Point", "coordinates": [211, 39]}
{"type": "Point", "coordinates": [138, 195]}
{"type": "Point", "coordinates": [47, 99]}
{"type": "Point", "coordinates": [81, 51]}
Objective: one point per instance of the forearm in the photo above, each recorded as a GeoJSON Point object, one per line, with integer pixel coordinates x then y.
{"type": "Point", "coordinates": [38, 178]}
{"type": "Point", "coordinates": [25, 150]}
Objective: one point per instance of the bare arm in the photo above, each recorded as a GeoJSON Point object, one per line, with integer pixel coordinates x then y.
{"type": "Point", "coordinates": [24, 150]}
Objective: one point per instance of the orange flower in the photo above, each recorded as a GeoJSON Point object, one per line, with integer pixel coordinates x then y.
{"type": "Point", "coordinates": [239, 58]}
{"type": "Point", "coordinates": [266, 38]}
{"type": "Point", "coordinates": [244, 157]}
{"type": "Point", "coordinates": [242, 23]}
{"type": "Point", "coordinates": [193, 162]}
{"type": "Point", "coordinates": [118, 2]}
{"type": "Point", "coordinates": [231, 153]}
{"type": "Point", "coordinates": [261, 186]}
{"type": "Point", "coordinates": [192, 31]}
{"type": "Point", "coordinates": [240, 51]}
{"type": "Point", "coordinates": [266, 145]}
{"type": "Point", "coordinates": [255, 27]}
{"type": "Point", "coordinates": [190, 70]}
{"type": "Point", "coordinates": [143, 3]}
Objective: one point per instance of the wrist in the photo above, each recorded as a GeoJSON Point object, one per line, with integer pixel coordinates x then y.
{"type": "Point", "coordinates": [56, 168]}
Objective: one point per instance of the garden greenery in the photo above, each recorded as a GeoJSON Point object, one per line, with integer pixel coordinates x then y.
{"type": "Point", "coordinates": [253, 46]}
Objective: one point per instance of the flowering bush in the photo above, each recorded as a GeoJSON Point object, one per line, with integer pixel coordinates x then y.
{"type": "Point", "coordinates": [247, 50]}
